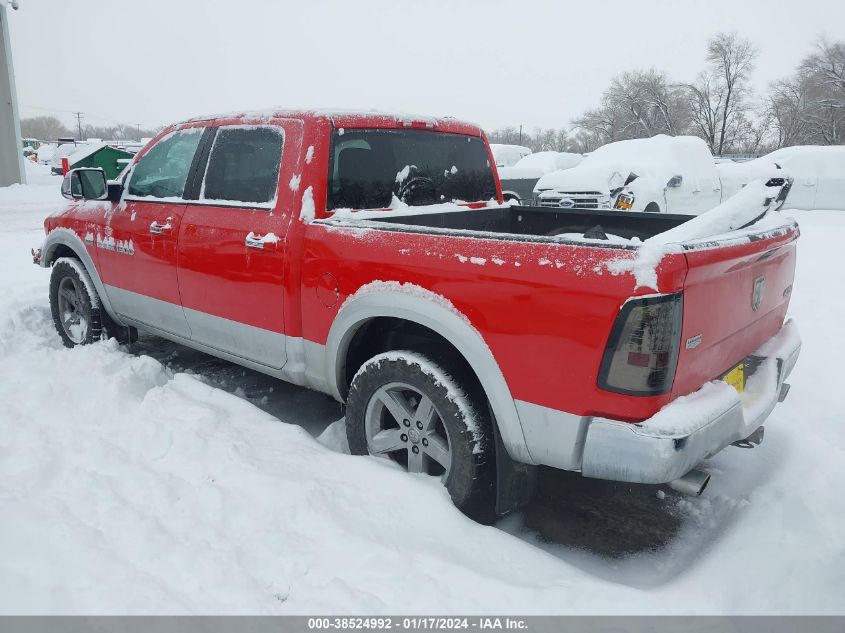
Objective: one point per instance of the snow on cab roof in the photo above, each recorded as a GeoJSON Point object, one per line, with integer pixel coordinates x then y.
{"type": "Point", "coordinates": [341, 116]}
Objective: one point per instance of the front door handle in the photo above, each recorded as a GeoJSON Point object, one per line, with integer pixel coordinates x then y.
{"type": "Point", "coordinates": [261, 242]}
{"type": "Point", "coordinates": [161, 229]}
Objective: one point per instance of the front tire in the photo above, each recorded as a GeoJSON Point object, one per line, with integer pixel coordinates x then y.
{"type": "Point", "coordinates": [404, 407]}
{"type": "Point", "coordinates": [74, 303]}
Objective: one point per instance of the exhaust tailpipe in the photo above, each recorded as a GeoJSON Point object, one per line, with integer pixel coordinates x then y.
{"type": "Point", "coordinates": [693, 483]}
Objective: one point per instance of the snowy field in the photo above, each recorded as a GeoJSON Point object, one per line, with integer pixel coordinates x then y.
{"type": "Point", "coordinates": [159, 480]}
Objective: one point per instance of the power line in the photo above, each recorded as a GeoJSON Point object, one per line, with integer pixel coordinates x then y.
{"type": "Point", "coordinates": [79, 124]}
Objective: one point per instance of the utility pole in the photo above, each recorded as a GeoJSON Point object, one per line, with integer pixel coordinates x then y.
{"type": "Point", "coordinates": [139, 132]}
{"type": "Point", "coordinates": [11, 149]}
{"type": "Point", "coordinates": [520, 134]}
{"type": "Point", "coordinates": [79, 124]}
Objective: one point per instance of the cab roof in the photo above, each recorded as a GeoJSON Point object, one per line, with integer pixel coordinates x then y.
{"type": "Point", "coordinates": [340, 118]}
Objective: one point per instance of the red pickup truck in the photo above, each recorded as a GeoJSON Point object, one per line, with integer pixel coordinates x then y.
{"type": "Point", "coordinates": [370, 257]}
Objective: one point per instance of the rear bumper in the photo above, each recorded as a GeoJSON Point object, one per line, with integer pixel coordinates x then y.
{"type": "Point", "coordinates": [691, 428]}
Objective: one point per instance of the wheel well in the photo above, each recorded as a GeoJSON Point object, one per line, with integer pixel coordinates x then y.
{"type": "Point", "coordinates": [383, 334]}
{"type": "Point", "coordinates": [61, 250]}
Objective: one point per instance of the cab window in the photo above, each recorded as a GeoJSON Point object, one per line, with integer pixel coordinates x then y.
{"type": "Point", "coordinates": [372, 167]}
{"type": "Point", "coordinates": [163, 171]}
{"type": "Point", "coordinates": [244, 166]}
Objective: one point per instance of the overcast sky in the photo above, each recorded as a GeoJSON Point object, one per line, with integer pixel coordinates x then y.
{"type": "Point", "coordinates": [493, 62]}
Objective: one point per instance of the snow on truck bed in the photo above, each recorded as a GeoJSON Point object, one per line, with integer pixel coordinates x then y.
{"type": "Point", "coordinates": [128, 487]}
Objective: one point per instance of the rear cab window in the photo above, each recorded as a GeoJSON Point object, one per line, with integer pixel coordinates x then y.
{"type": "Point", "coordinates": [372, 168]}
{"type": "Point", "coordinates": [243, 167]}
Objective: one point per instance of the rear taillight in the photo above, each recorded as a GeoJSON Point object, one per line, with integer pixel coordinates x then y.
{"type": "Point", "coordinates": [642, 351]}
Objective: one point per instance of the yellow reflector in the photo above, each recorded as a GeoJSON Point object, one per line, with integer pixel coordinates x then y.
{"type": "Point", "coordinates": [736, 377]}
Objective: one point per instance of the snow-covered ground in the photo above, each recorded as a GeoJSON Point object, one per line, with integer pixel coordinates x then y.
{"type": "Point", "coordinates": [130, 486]}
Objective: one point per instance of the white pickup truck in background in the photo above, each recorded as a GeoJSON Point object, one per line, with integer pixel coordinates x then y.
{"type": "Point", "coordinates": [661, 174]}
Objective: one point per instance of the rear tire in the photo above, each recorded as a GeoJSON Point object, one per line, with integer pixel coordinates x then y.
{"type": "Point", "coordinates": [652, 207]}
{"type": "Point", "coordinates": [404, 407]}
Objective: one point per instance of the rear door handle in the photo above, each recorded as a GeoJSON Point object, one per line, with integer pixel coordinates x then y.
{"type": "Point", "coordinates": [160, 229]}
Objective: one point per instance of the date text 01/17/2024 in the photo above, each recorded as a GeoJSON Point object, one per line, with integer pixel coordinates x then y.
{"type": "Point", "coordinates": [416, 623]}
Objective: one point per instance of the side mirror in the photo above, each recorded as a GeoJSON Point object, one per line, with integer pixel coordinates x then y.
{"type": "Point", "coordinates": [115, 190]}
{"type": "Point", "coordinates": [675, 182]}
{"type": "Point", "coordinates": [615, 180]}
{"type": "Point", "coordinates": [85, 184]}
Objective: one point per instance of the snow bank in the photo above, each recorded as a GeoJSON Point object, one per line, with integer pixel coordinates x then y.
{"type": "Point", "coordinates": [41, 196]}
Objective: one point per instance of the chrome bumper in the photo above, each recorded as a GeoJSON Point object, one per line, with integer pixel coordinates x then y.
{"type": "Point", "coordinates": [692, 428]}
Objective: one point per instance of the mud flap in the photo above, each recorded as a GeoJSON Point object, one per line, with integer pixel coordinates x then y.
{"type": "Point", "coordinates": [515, 482]}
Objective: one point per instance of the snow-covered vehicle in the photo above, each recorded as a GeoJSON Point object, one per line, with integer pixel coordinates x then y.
{"type": "Point", "coordinates": [518, 181]}
{"type": "Point", "coordinates": [508, 155]}
{"type": "Point", "coordinates": [662, 174]}
{"type": "Point", "coordinates": [45, 153]}
{"type": "Point", "coordinates": [63, 150]}
{"type": "Point", "coordinates": [371, 257]}
{"type": "Point", "coordinates": [817, 173]}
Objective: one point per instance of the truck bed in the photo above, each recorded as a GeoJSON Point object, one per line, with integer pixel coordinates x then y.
{"type": "Point", "coordinates": [527, 279]}
{"type": "Point", "coordinates": [542, 222]}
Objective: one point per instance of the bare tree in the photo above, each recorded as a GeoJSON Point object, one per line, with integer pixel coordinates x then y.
{"type": "Point", "coordinates": [827, 66]}
{"type": "Point", "coordinates": [506, 136]}
{"type": "Point", "coordinates": [719, 98]}
{"type": "Point", "coordinates": [597, 127]}
{"type": "Point", "coordinates": [809, 107]}
{"type": "Point", "coordinates": [637, 104]}
{"type": "Point", "coordinates": [118, 132]}
{"type": "Point", "coordinates": [823, 76]}
{"type": "Point", "coordinates": [705, 107]}
{"type": "Point", "coordinates": [44, 128]}
{"type": "Point", "coordinates": [549, 139]}
{"type": "Point", "coordinates": [649, 101]}
{"type": "Point", "coordinates": [787, 108]}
